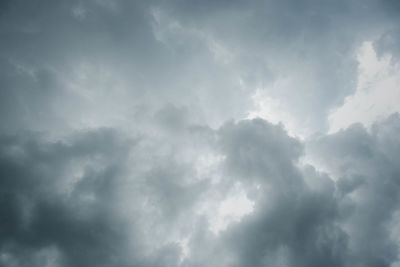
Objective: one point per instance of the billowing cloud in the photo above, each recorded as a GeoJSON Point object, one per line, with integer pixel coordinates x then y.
{"type": "Point", "coordinates": [130, 135]}
{"type": "Point", "coordinates": [367, 170]}
{"type": "Point", "coordinates": [98, 198]}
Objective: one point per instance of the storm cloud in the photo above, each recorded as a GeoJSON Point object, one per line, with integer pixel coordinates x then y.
{"type": "Point", "coordinates": [199, 133]}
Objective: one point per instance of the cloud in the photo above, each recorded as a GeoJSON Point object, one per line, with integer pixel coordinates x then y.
{"type": "Point", "coordinates": [151, 53]}
{"type": "Point", "coordinates": [376, 94]}
{"type": "Point", "coordinates": [129, 133]}
{"type": "Point", "coordinates": [94, 198]}
{"type": "Point", "coordinates": [292, 223]}
{"type": "Point", "coordinates": [301, 55]}
{"type": "Point", "coordinates": [311, 219]}
{"type": "Point", "coordinates": [366, 165]}
{"type": "Point", "coordinates": [46, 208]}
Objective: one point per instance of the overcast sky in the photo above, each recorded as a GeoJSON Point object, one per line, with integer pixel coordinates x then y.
{"type": "Point", "coordinates": [189, 133]}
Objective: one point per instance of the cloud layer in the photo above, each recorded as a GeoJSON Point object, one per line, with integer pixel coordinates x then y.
{"type": "Point", "coordinates": [129, 135]}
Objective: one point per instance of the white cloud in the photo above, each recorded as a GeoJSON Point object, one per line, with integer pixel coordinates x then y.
{"type": "Point", "coordinates": [377, 94]}
{"type": "Point", "coordinates": [230, 210]}
{"type": "Point", "coordinates": [273, 110]}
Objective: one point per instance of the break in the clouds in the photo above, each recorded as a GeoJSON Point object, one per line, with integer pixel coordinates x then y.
{"type": "Point", "coordinates": [199, 133]}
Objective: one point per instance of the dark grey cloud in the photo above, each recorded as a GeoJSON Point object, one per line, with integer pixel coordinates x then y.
{"type": "Point", "coordinates": [293, 224]}
{"type": "Point", "coordinates": [91, 198]}
{"type": "Point", "coordinates": [310, 220]}
{"type": "Point", "coordinates": [43, 208]}
{"type": "Point", "coordinates": [258, 149]}
{"type": "Point", "coordinates": [368, 181]}
{"type": "Point", "coordinates": [124, 136]}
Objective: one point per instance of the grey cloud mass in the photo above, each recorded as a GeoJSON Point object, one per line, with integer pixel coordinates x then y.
{"type": "Point", "coordinates": [126, 138]}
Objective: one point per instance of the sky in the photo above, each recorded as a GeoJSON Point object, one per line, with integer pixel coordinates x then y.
{"type": "Point", "coordinates": [188, 133]}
